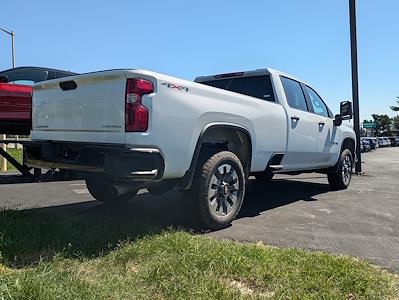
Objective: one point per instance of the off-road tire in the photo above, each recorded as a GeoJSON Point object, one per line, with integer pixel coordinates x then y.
{"type": "Point", "coordinates": [219, 186]}
{"type": "Point", "coordinates": [341, 178]}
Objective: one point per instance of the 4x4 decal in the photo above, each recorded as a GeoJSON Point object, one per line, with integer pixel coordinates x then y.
{"type": "Point", "coordinates": [174, 86]}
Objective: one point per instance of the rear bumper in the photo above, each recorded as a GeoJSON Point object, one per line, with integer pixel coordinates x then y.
{"type": "Point", "coordinates": [118, 161]}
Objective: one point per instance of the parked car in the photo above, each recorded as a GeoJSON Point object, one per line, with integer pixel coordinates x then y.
{"type": "Point", "coordinates": [394, 141]}
{"type": "Point", "coordinates": [388, 142]}
{"type": "Point", "coordinates": [382, 142]}
{"type": "Point", "coordinates": [16, 96]}
{"type": "Point", "coordinates": [373, 143]}
{"type": "Point", "coordinates": [130, 129]}
{"type": "Point", "coordinates": [385, 142]}
{"type": "Point", "coordinates": [366, 144]}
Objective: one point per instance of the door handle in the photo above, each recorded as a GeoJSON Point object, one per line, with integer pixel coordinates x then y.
{"type": "Point", "coordinates": [322, 123]}
{"type": "Point", "coordinates": [295, 118]}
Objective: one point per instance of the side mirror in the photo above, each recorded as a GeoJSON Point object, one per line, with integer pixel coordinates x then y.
{"type": "Point", "coordinates": [337, 120]}
{"type": "Point", "coordinates": [345, 113]}
{"type": "Point", "coordinates": [3, 79]}
{"type": "Point", "coordinates": [345, 110]}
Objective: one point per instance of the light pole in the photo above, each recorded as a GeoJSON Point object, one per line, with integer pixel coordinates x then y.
{"type": "Point", "coordinates": [355, 82]}
{"type": "Point", "coordinates": [12, 34]}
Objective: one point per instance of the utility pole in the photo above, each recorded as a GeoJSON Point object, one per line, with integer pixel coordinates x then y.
{"type": "Point", "coordinates": [13, 48]}
{"type": "Point", "coordinates": [355, 82]}
{"type": "Point", "coordinates": [12, 34]}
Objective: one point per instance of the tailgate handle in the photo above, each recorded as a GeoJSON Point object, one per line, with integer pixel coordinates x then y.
{"type": "Point", "coordinates": [68, 85]}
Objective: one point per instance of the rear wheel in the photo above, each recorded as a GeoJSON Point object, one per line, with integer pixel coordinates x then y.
{"type": "Point", "coordinates": [341, 179]}
{"type": "Point", "coordinates": [102, 190]}
{"type": "Point", "coordinates": [220, 185]}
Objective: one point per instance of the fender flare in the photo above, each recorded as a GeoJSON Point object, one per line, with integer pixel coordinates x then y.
{"type": "Point", "coordinates": [348, 138]}
{"type": "Point", "coordinates": [187, 179]}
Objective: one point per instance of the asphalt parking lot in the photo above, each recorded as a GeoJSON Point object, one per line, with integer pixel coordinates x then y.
{"type": "Point", "coordinates": [292, 211]}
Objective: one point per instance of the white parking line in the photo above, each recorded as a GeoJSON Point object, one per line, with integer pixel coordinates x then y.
{"type": "Point", "coordinates": [81, 191]}
{"type": "Point", "coordinates": [326, 210]}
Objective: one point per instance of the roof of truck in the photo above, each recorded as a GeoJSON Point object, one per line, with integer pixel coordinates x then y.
{"type": "Point", "coordinates": [264, 71]}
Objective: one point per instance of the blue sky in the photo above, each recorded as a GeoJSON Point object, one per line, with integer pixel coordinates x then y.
{"type": "Point", "coordinates": [307, 38]}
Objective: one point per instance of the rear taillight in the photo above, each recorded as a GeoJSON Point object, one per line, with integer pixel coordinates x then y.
{"type": "Point", "coordinates": [136, 114]}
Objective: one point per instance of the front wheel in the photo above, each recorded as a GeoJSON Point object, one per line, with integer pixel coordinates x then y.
{"type": "Point", "coordinates": [221, 189]}
{"type": "Point", "coordinates": [102, 190]}
{"type": "Point", "coordinates": [341, 179]}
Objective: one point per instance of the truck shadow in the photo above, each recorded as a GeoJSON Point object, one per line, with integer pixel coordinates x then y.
{"type": "Point", "coordinates": [89, 229]}
{"type": "Point", "coordinates": [172, 209]}
{"type": "Point", "coordinates": [261, 196]}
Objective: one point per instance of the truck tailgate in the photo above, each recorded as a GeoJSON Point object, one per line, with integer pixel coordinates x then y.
{"type": "Point", "coordinates": [87, 103]}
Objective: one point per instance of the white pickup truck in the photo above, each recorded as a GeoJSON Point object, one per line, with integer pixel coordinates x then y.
{"type": "Point", "coordinates": [130, 129]}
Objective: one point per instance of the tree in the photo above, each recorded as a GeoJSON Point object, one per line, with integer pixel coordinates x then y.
{"type": "Point", "coordinates": [395, 122]}
{"type": "Point", "coordinates": [382, 125]}
{"type": "Point", "coordinates": [396, 108]}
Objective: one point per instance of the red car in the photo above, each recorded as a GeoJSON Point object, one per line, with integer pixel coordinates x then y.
{"type": "Point", "coordinates": [16, 96]}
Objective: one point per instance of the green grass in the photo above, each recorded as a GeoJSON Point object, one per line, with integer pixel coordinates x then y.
{"type": "Point", "coordinates": [17, 154]}
{"type": "Point", "coordinates": [92, 256]}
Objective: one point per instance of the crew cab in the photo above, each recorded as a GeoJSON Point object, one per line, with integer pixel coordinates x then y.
{"type": "Point", "coordinates": [16, 96]}
{"type": "Point", "coordinates": [124, 130]}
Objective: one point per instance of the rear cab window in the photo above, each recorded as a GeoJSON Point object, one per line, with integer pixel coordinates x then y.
{"type": "Point", "coordinates": [255, 86]}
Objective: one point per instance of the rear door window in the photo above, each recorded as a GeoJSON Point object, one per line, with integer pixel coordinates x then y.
{"type": "Point", "coordinates": [254, 86]}
{"type": "Point", "coordinates": [294, 94]}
